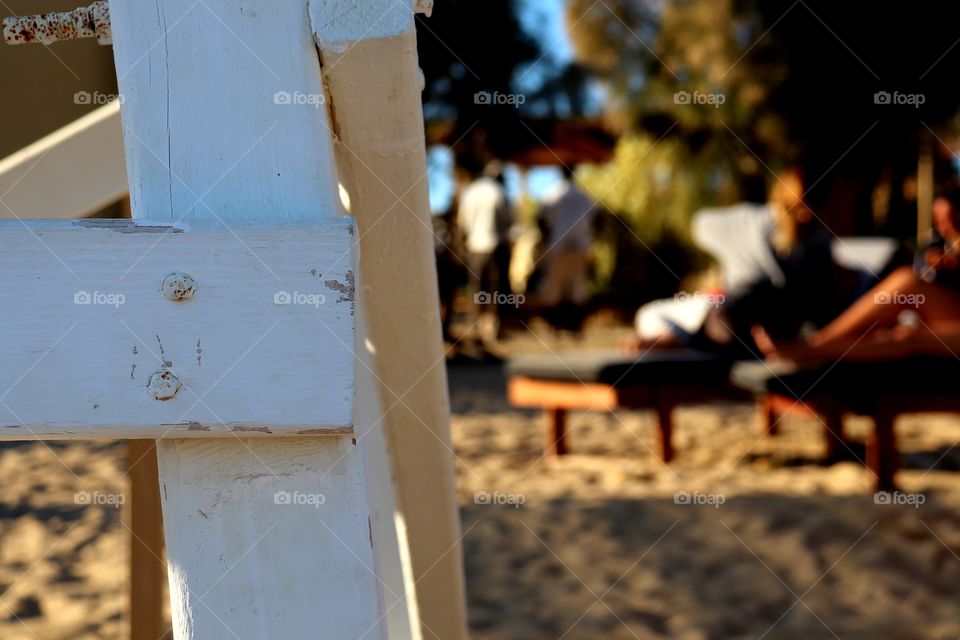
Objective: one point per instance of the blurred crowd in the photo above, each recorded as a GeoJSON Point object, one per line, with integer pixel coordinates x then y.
{"type": "Point", "coordinates": [786, 286]}
{"type": "Point", "coordinates": [512, 268]}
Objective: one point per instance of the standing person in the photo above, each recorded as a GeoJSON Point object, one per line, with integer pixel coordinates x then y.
{"type": "Point", "coordinates": [451, 270]}
{"type": "Point", "coordinates": [569, 214]}
{"type": "Point", "coordinates": [484, 216]}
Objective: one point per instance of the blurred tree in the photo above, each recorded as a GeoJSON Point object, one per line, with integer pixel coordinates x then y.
{"type": "Point", "coordinates": [746, 87]}
{"type": "Point", "coordinates": [659, 64]}
{"type": "Point", "coordinates": [484, 73]}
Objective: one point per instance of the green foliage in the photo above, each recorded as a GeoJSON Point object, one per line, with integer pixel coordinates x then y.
{"type": "Point", "coordinates": [651, 189]}
{"type": "Point", "coordinates": [682, 155]}
{"type": "Point", "coordinates": [471, 47]}
{"type": "Point", "coordinates": [781, 84]}
{"type": "Point", "coordinates": [655, 186]}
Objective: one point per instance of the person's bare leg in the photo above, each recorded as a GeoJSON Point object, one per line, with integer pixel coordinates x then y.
{"type": "Point", "coordinates": [880, 307]}
{"type": "Point", "coordinates": [876, 307]}
{"type": "Point", "coordinates": [803, 352]}
{"type": "Point", "coordinates": [941, 339]}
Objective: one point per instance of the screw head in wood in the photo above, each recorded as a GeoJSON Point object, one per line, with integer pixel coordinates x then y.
{"type": "Point", "coordinates": [163, 385]}
{"type": "Point", "coordinates": [178, 286]}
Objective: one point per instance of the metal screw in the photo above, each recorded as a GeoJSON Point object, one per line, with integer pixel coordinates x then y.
{"type": "Point", "coordinates": [163, 385]}
{"type": "Point", "coordinates": [178, 286]}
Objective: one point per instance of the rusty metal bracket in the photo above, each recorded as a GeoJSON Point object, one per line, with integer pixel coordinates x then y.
{"type": "Point", "coordinates": [83, 22]}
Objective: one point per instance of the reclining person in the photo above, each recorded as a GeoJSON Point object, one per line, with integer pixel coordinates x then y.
{"type": "Point", "coordinates": [911, 312]}
{"type": "Point", "coordinates": [779, 274]}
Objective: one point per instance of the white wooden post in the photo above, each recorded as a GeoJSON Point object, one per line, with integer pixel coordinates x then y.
{"type": "Point", "coordinates": [221, 121]}
{"type": "Point", "coordinates": [369, 58]}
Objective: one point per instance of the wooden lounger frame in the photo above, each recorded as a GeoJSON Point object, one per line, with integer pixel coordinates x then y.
{"type": "Point", "coordinates": [883, 458]}
{"type": "Point", "coordinates": [557, 397]}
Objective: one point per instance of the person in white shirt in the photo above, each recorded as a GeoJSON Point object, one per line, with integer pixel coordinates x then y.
{"type": "Point", "coordinates": [569, 213]}
{"type": "Point", "coordinates": [484, 216]}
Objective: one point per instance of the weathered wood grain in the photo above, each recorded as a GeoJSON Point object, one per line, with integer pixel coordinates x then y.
{"type": "Point", "coordinates": [268, 541]}
{"type": "Point", "coordinates": [223, 110]}
{"type": "Point", "coordinates": [206, 136]}
{"type": "Point", "coordinates": [381, 157]}
{"type": "Point", "coordinates": [264, 346]}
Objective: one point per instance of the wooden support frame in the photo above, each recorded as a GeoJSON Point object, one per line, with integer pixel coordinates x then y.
{"type": "Point", "coordinates": [767, 417]}
{"type": "Point", "coordinates": [882, 454]}
{"type": "Point", "coordinates": [834, 435]}
{"type": "Point", "coordinates": [555, 443]}
{"type": "Point", "coordinates": [74, 171]}
{"type": "Point", "coordinates": [557, 397]}
{"type": "Point", "coordinates": [665, 431]}
{"type": "Point", "coordinates": [145, 534]}
{"type": "Point", "coordinates": [306, 373]}
{"type": "Point", "coordinates": [256, 150]}
{"type": "Point", "coordinates": [165, 185]}
{"type": "Point", "coordinates": [828, 411]}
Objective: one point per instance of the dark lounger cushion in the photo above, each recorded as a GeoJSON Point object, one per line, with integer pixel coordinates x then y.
{"type": "Point", "coordinates": [852, 379]}
{"type": "Point", "coordinates": [656, 367]}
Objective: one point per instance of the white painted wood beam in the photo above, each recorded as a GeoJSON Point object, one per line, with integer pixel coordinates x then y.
{"type": "Point", "coordinates": [91, 292]}
{"type": "Point", "coordinates": [221, 122]}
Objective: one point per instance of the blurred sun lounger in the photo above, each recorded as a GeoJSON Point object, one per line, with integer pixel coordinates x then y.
{"type": "Point", "coordinates": [663, 379]}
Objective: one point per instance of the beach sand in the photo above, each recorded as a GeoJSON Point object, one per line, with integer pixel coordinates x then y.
{"type": "Point", "coordinates": [771, 543]}
{"type": "Point", "coordinates": [593, 545]}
